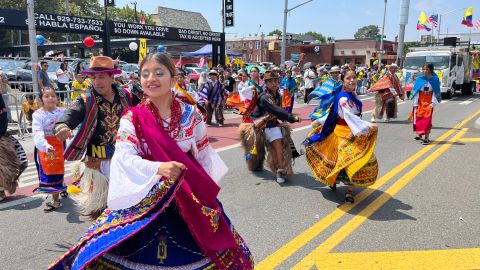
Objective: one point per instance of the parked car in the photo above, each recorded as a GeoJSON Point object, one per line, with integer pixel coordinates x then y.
{"type": "Point", "coordinates": [193, 73]}
{"type": "Point", "coordinates": [24, 74]}
{"type": "Point", "coordinates": [10, 67]}
{"type": "Point", "coordinates": [130, 68]}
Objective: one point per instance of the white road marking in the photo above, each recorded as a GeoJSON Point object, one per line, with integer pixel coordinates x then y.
{"type": "Point", "coordinates": [466, 102]}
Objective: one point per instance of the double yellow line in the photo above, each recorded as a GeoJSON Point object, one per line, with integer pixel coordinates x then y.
{"type": "Point", "coordinates": [301, 240]}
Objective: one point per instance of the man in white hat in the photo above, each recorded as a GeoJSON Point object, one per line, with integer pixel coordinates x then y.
{"type": "Point", "coordinates": [214, 94]}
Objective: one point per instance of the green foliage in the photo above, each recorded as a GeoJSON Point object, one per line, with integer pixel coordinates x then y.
{"type": "Point", "coordinates": [369, 31]}
{"type": "Point", "coordinates": [275, 32]}
{"type": "Point", "coordinates": [317, 36]}
{"type": "Point", "coordinates": [408, 45]}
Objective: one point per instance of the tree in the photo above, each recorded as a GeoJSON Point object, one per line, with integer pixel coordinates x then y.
{"type": "Point", "coordinates": [369, 31]}
{"type": "Point", "coordinates": [409, 44]}
{"type": "Point", "coordinates": [316, 36]}
{"type": "Point", "coordinates": [275, 32]}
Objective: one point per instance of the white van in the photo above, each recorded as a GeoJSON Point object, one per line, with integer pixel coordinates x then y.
{"type": "Point", "coordinates": [452, 65]}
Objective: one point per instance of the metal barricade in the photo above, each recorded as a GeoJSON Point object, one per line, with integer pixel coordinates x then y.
{"type": "Point", "coordinates": [21, 104]}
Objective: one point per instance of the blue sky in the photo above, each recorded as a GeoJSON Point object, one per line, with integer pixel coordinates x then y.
{"type": "Point", "coordinates": [339, 18]}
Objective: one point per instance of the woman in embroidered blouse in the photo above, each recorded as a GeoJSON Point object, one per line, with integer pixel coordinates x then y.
{"type": "Point", "coordinates": [342, 148]}
{"type": "Point", "coordinates": [163, 191]}
{"type": "Point", "coordinates": [48, 149]}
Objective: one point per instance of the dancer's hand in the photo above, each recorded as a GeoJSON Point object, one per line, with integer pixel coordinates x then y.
{"type": "Point", "coordinates": [64, 134]}
{"type": "Point", "coordinates": [171, 169]}
{"type": "Point", "coordinates": [374, 127]}
{"type": "Point", "coordinates": [296, 118]}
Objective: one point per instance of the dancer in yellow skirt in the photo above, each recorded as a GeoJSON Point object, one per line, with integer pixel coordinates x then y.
{"type": "Point", "coordinates": [342, 149]}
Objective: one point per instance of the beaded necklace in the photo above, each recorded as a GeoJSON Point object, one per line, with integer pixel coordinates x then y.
{"type": "Point", "coordinates": [172, 127]}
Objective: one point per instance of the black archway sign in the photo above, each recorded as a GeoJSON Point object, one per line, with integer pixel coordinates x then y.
{"type": "Point", "coordinates": [17, 19]}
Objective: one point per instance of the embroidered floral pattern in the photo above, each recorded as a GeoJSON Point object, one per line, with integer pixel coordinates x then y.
{"type": "Point", "coordinates": [213, 214]}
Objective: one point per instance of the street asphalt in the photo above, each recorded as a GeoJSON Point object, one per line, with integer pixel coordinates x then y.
{"type": "Point", "coordinates": [435, 204]}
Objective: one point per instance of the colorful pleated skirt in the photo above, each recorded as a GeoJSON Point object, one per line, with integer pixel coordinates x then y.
{"type": "Point", "coordinates": [149, 235]}
{"type": "Point", "coordinates": [343, 157]}
{"type": "Point", "coordinates": [51, 167]}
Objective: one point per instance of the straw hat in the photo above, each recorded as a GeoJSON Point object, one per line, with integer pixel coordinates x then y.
{"type": "Point", "coordinates": [101, 64]}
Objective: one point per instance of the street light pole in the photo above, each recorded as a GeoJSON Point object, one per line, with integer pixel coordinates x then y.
{"type": "Point", "coordinates": [284, 33]}
{"type": "Point", "coordinates": [106, 33]}
{"type": "Point", "coordinates": [134, 3]}
{"type": "Point", "coordinates": [33, 43]}
{"type": "Point", "coordinates": [68, 39]}
{"type": "Point", "coordinates": [440, 20]}
{"type": "Point", "coordinates": [381, 38]}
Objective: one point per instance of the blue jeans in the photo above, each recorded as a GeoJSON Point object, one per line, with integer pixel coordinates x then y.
{"type": "Point", "coordinates": [6, 100]}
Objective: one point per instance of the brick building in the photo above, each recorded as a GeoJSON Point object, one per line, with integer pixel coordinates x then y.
{"type": "Point", "coordinates": [315, 53]}
{"type": "Point", "coordinates": [253, 48]}
{"type": "Point", "coordinates": [359, 51]}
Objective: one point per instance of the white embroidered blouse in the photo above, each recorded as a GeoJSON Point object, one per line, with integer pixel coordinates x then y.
{"type": "Point", "coordinates": [132, 177]}
{"type": "Point", "coordinates": [42, 125]}
{"type": "Point", "coordinates": [349, 111]}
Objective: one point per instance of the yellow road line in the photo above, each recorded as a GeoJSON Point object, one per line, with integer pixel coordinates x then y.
{"type": "Point", "coordinates": [283, 253]}
{"type": "Point", "coordinates": [468, 258]}
{"type": "Point", "coordinates": [468, 140]}
{"type": "Point", "coordinates": [337, 237]}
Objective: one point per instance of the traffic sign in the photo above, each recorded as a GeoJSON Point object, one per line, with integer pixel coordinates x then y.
{"type": "Point", "coordinates": [287, 37]}
{"type": "Point", "coordinates": [381, 52]}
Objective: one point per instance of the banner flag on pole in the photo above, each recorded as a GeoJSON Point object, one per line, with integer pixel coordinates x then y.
{"type": "Point", "coordinates": [467, 17]}
{"type": "Point", "coordinates": [422, 23]}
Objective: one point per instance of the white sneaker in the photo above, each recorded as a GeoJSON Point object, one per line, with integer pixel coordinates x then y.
{"type": "Point", "coordinates": [280, 180]}
{"type": "Point", "coordinates": [373, 120]}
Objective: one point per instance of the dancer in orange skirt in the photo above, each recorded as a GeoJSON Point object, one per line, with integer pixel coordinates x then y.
{"type": "Point", "coordinates": [48, 149]}
{"type": "Point", "coordinates": [426, 95]}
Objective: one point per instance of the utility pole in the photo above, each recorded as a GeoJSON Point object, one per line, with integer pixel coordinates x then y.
{"type": "Point", "coordinates": [381, 38]}
{"type": "Point", "coordinates": [134, 3]}
{"type": "Point", "coordinates": [404, 9]}
{"type": "Point", "coordinates": [223, 43]}
{"type": "Point", "coordinates": [106, 32]}
{"type": "Point", "coordinates": [32, 33]}
{"type": "Point", "coordinates": [284, 33]}
{"type": "Point", "coordinates": [68, 37]}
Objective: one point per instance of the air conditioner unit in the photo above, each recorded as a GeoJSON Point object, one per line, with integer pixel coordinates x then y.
{"type": "Point", "coordinates": [273, 46]}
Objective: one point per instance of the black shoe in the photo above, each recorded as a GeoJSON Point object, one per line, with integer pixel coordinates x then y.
{"type": "Point", "coordinates": [349, 197]}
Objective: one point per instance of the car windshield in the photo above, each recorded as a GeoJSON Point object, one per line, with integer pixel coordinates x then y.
{"type": "Point", "coordinates": [53, 66]}
{"type": "Point", "coordinates": [9, 64]}
{"type": "Point", "coordinates": [418, 62]}
{"type": "Point", "coordinates": [130, 68]}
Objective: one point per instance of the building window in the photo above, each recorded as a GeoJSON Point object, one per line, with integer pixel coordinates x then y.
{"type": "Point", "coordinates": [257, 45]}
{"type": "Point", "coordinates": [250, 45]}
{"type": "Point", "coordinates": [244, 57]}
{"type": "Point", "coordinates": [358, 61]}
{"type": "Point", "coordinates": [250, 58]}
{"type": "Point", "coordinates": [244, 45]}
{"type": "Point", "coordinates": [342, 52]}
{"type": "Point", "coordinates": [353, 52]}
{"type": "Point", "coordinates": [257, 58]}
{"type": "Point", "coordinates": [348, 60]}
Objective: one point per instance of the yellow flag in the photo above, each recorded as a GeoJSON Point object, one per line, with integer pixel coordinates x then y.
{"type": "Point", "coordinates": [142, 51]}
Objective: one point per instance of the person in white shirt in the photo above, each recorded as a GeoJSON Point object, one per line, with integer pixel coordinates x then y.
{"type": "Point", "coordinates": [309, 76]}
